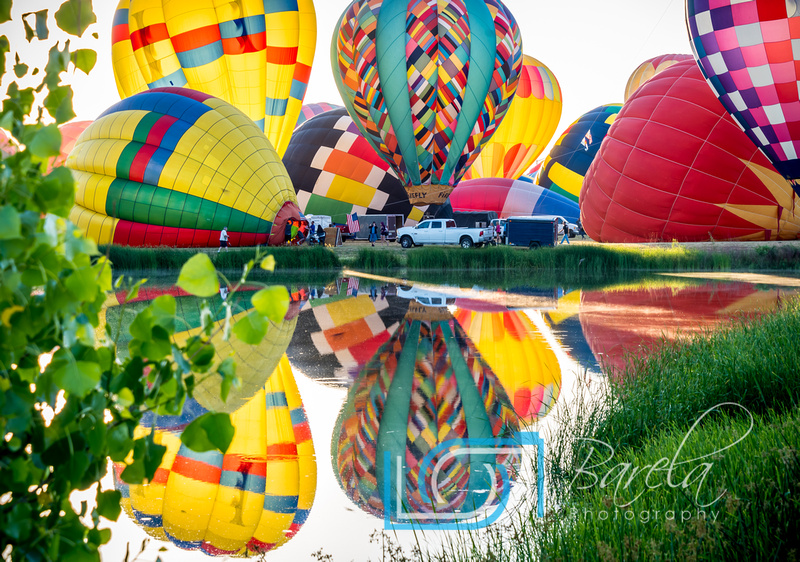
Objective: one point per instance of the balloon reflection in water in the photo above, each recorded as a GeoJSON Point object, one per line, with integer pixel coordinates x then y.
{"type": "Point", "coordinates": [254, 363]}
{"type": "Point", "coordinates": [622, 322]}
{"type": "Point", "coordinates": [519, 354]}
{"type": "Point", "coordinates": [250, 500]}
{"type": "Point", "coordinates": [427, 385]}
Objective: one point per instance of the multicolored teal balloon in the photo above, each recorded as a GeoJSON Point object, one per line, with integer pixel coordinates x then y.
{"type": "Point", "coordinates": [427, 83]}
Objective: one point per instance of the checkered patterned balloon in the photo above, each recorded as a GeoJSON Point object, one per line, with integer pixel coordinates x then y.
{"type": "Point", "coordinates": [335, 171]}
{"type": "Point", "coordinates": [254, 54]}
{"type": "Point", "coordinates": [746, 51]}
{"type": "Point", "coordinates": [427, 83]}
{"type": "Point", "coordinates": [312, 110]}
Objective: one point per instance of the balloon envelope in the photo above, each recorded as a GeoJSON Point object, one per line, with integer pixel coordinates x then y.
{"type": "Point", "coordinates": [569, 159]}
{"type": "Point", "coordinates": [336, 172]}
{"type": "Point", "coordinates": [526, 129]}
{"type": "Point", "coordinates": [250, 500]}
{"type": "Point", "coordinates": [650, 68]}
{"type": "Point", "coordinates": [748, 52]}
{"type": "Point", "coordinates": [509, 198]}
{"type": "Point", "coordinates": [256, 55]}
{"type": "Point", "coordinates": [427, 83]}
{"type": "Point", "coordinates": [172, 167]}
{"type": "Point", "coordinates": [312, 110]}
{"type": "Point", "coordinates": [675, 166]}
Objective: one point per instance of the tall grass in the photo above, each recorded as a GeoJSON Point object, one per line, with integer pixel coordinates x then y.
{"type": "Point", "coordinates": [369, 259]}
{"type": "Point", "coordinates": [588, 260]}
{"type": "Point", "coordinates": [172, 259]}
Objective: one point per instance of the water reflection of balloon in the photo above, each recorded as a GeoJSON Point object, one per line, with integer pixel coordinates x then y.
{"type": "Point", "coordinates": [254, 363]}
{"type": "Point", "coordinates": [336, 172]}
{"type": "Point", "coordinates": [425, 386]}
{"type": "Point", "coordinates": [250, 500]}
{"type": "Point", "coordinates": [748, 53]}
{"type": "Point", "coordinates": [528, 126]}
{"type": "Point", "coordinates": [172, 167]}
{"type": "Point", "coordinates": [675, 166]}
{"type": "Point", "coordinates": [257, 56]}
{"type": "Point", "coordinates": [510, 198]}
{"type": "Point", "coordinates": [569, 159]}
{"type": "Point", "coordinates": [520, 356]}
{"type": "Point", "coordinates": [427, 83]}
{"type": "Point", "coordinates": [650, 68]}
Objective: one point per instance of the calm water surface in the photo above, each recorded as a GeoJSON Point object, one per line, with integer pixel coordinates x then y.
{"type": "Point", "coordinates": [361, 371]}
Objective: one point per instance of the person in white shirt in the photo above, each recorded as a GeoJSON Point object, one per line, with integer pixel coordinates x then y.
{"type": "Point", "coordinates": [223, 239]}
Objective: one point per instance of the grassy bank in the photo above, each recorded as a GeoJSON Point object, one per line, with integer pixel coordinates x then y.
{"type": "Point", "coordinates": [735, 503]}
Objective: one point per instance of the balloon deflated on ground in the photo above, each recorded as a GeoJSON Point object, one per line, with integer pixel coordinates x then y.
{"type": "Point", "coordinates": [509, 198]}
{"type": "Point", "coordinates": [650, 68]}
{"type": "Point", "coordinates": [250, 500]}
{"type": "Point", "coordinates": [256, 55]}
{"type": "Point", "coordinates": [336, 172]}
{"type": "Point", "coordinates": [569, 159]}
{"type": "Point", "coordinates": [526, 129]}
{"type": "Point", "coordinates": [173, 167]}
{"type": "Point", "coordinates": [425, 387]}
{"type": "Point", "coordinates": [675, 166]}
{"type": "Point", "coordinates": [427, 83]}
{"type": "Point", "coordinates": [748, 52]}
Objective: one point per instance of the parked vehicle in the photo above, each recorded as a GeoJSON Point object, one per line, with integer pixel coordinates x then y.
{"type": "Point", "coordinates": [502, 223]}
{"type": "Point", "coordinates": [324, 220]}
{"type": "Point", "coordinates": [393, 222]}
{"type": "Point", "coordinates": [533, 232]}
{"type": "Point", "coordinates": [443, 231]}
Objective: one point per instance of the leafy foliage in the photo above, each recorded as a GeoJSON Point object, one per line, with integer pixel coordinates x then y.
{"type": "Point", "coordinates": [68, 400]}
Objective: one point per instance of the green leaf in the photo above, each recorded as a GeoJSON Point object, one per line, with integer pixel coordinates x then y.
{"type": "Point", "coordinates": [268, 263]}
{"type": "Point", "coordinates": [209, 432]}
{"type": "Point", "coordinates": [251, 329]}
{"type": "Point", "coordinates": [42, 33]}
{"type": "Point", "coordinates": [108, 504]}
{"type": "Point", "coordinates": [82, 284]}
{"type": "Point", "coordinates": [77, 377]}
{"type": "Point", "coordinates": [198, 277]}
{"type": "Point", "coordinates": [46, 142]}
{"type": "Point", "coordinates": [10, 225]}
{"type": "Point", "coordinates": [85, 59]}
{"type": "Point", "coordinates": [20, 69]}
{"type": "Point", "coordinates": [5, 10]}
{"type": "Point", "coordinates": [200, 353]}
{"type": "Point", "coordinates": [163, 309]}
{"type": "Point", "coordinates": [59, 104]}
{"type": "Point", "coordinates": [272, 302]}
{"type": "Point", "coordinates": [29, 32]}
{"type": "Point", "coordinates": [119, 442]}
{"type": "Point", "coordinates": [74, 16]}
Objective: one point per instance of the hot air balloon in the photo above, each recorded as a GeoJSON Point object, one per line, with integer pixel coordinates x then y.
{"type": "Point", "coordinates": [747, 52]}
{"type": "Point", "coordinates": [650, 68]}
{"type": "Point", "coordinates": [519, 355]}
{"type": "Point", "coordinates": [69, 134]}
{"type": "Point", "coordinates": [426, 387]}
{"type": "Point", "coordinates": [528, 126]}
{"type": "Point", "coordinates": [312, 110]}
{"type": "Point", "coordinates": [337, 335]}
{"type": "Point", "coordinates": [569, 159]}
{"type": "Point", "coordinates": [257, 56]}
{"type": "Point", "coordinates": [675, 166]}
{"type": "Point", "coordinates": [250, 500]}
{"type": "Point", "coordinates": [254, 363]}
{"type": "Point", "coordinates": [619, 322]}
{"type": "Point", "coordinates": [336, 172]}
{"type": "Point", "coordinates": [172, 167]}
{"type": "Point", "coordinates": [427, 84]}
{"type": "Point", "coordinates": [510, 198]}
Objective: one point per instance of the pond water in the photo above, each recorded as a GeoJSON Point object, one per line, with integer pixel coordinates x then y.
{"type": "Point", "coordinates": [354, 391]}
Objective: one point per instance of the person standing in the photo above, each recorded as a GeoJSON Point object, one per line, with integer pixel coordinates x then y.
{"type": "Point", "coordinates": [287, 232]}
{"type": "Point", "coordinates": [384, 234]}
{"type": "Point", "coordinates": [373, 232]}
{"type": "Point", "coordinates": [565, 232]}
{"type": "Point", "coordinates": [223, 240]}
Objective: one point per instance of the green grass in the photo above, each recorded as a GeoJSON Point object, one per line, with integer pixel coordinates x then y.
{"type": "Point", "coordinates": [369, 259]}
{"type": "Point", "coordinates": [172, 259]}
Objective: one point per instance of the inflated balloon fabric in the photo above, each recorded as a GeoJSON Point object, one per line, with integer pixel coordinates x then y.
{"type": "Point", "coordinates": [650, 68]}
{"type": "Point", "coordinates": [312, 110]}
{"type": "Point", "coordinates": [510, 198]}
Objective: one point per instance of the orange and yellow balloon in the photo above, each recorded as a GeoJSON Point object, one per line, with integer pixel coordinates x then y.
{"type": "Point", "coordinates": [529, 125]}
{"type": "Point", "coordinates": [254, 54]}
{"type": "Point", "coordinates": [650, 68]}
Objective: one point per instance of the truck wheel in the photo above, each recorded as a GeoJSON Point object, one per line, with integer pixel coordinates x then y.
{"type": "Point", "coordinates": [466, 242]}
{"type": "Point", "coordinates": [406, 242]}
{"type": "Point", "coordinates": [534, 246]}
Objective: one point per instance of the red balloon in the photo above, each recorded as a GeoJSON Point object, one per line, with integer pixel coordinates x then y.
{"type": "Point", "coordinates": [675, 166]}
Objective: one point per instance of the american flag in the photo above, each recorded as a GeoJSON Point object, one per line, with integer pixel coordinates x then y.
{"type": "Point", "coordinates": [352, 223]}
{"type": "Point", "coordinates": [587, 141]}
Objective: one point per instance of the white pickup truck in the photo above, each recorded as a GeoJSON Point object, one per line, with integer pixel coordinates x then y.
{"type": "Point", "coordinates": [443, 231]}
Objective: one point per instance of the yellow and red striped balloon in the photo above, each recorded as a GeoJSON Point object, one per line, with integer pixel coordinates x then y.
{"type": "Point", "coordinates": [254, 54]}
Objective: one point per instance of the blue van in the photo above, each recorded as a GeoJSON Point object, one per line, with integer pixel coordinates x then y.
{"type": "Point", "coordinates": [533, 232]}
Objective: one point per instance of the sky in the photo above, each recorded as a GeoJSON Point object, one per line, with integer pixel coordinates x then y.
{"type": "Point", "coordinates": [591, 46]}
